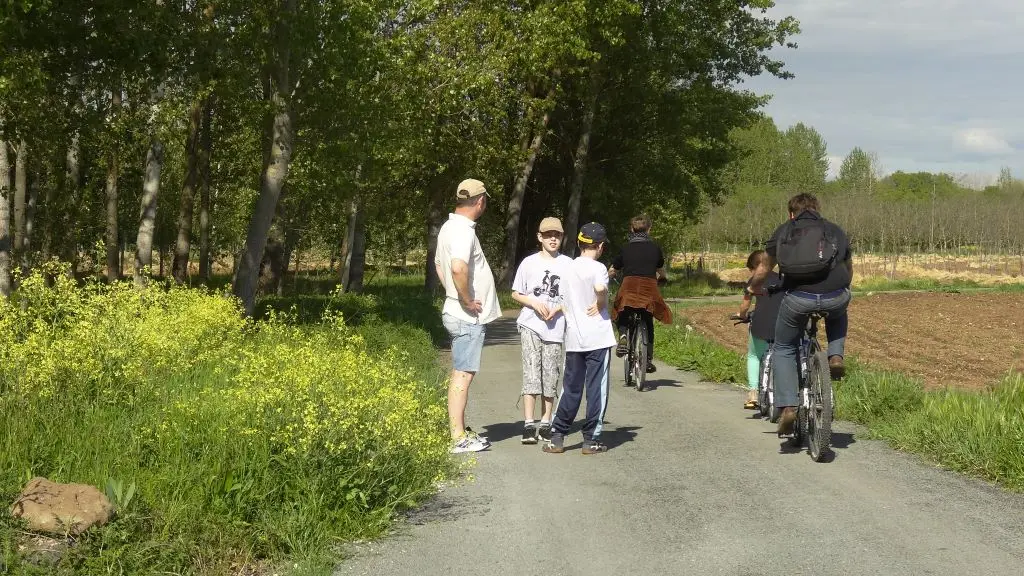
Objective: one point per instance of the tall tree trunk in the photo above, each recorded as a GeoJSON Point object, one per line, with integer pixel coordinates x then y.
{"type": "Point", "coordinates": [30, 224]}
{"type": "Point", "coordinates": [72, 184]}
{"type": "Point", "coordinates": [275, 171]}
{"type": "Point", "coordinates": [183, 246]}
{"type": "Point", "coordinates": [579, 172]}
{"type": "Point", "coordinates": [147, 211]}
{"type": "Point", "coordinates": [113, 166]}
{"type": "Point", "coordinates": [49, 199]}
{"type": "Point", "coordinates": [205, 148]}
{"type": "Point", "coordinates": [20, 197]}
{"type": "Point", "coordinates": [347, 243]}
{"type": "Point", "coordinates": [515, 204]}
{"type": "Point", "coordinates": [5, 219]}
{"type": "Point", "coordinates": [274, 265]}
{"type": "Point", "coordinates": [358, 261]}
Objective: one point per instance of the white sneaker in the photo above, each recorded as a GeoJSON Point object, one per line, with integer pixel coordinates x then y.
{"type": "Point", "coordinates": [472, 434]}
{"type": "Point", "coordinates": [468, 444]}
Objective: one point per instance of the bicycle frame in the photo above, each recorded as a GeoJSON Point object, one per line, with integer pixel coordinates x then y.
{"type": "Point", "coordinates": [808, 347]}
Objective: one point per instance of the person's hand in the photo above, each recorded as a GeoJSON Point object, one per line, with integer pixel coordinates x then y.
{"type": "Point", "coordinates": [552, 311]}
{"type": "Point", "coordinates": [594, 310]}
{"type": "Point", "coordinates": [475, 307]}
{"type": "Point", "coordinates": [541, 309]}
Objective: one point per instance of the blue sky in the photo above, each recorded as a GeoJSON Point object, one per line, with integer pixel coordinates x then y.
{"type": "Point", "coordinates": [934, 85]}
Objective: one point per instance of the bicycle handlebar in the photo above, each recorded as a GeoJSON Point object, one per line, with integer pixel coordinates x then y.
{"type": "Point", "coordinates": [737, 319]}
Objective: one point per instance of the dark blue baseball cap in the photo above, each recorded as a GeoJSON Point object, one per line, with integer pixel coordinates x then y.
{"type": "Point", "coordinates": [592, 233]}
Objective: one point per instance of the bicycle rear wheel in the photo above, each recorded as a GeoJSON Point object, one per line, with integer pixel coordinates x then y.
{"type": "Point", "coordinates": [766, 386]}
{"type": "Point", "coordinates": [627, 360]}
{"type": "Point", "coordinates": [819, 421]}
{"type": "Point", "coordinates": [640, 356]}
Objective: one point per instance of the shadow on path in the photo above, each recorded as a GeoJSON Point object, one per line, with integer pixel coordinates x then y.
{"type": "Point", "coordinates": [503, 331]}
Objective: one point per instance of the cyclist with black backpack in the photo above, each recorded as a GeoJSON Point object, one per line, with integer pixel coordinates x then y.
{"type": "Point", "coordinates": [816, 265]}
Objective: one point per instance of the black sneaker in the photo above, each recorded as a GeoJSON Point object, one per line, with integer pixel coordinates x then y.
{"type": "Point", "coordinates": [622, 348]}
{"type": "Point", "coordinates": [529, 433]}
{"type": "Point", "coordinates": [594, 447]}
{"type": "Point", "coordinates": [544, 431]}
{"type": "Point", "coordinates": [555, 445]}
{"type": "Point", "coordinates": [651, 368]}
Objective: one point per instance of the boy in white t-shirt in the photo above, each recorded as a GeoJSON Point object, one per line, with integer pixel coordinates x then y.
{"type": "Point", "coordinates": [541, 326]}
{"type": "Point", "coordinates": [589, 340]}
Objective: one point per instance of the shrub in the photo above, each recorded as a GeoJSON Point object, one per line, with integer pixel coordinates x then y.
{"type": "Point", "coordinates": [243, 439]}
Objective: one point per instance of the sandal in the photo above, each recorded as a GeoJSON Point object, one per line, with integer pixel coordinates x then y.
{"type": "Point", "coordinates": [751, 405]}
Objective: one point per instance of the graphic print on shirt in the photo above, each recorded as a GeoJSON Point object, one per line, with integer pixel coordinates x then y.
{"type": "Point", "coordinates": [549, 285]}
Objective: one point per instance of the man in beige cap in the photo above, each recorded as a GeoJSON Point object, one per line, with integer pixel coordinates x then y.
{"type": "Point", "coordinates": [471, 302]}
{"type": "Point", "coordinates": [541, 326]}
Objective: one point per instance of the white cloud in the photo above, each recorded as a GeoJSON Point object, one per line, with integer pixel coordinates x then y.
{"type": "Point", "coordinates": [925, 84]}
{"type": "Point", "coordinates": [982, 141]}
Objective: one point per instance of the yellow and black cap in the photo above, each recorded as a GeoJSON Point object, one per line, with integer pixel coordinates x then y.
{"type": "Point", "coordinates": [592, 234]}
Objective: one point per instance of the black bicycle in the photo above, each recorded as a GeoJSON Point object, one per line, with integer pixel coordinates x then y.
{"type": "Point", "coordinates": [638, 355]}
{"type": "Point", "coordinates": [814, 414]}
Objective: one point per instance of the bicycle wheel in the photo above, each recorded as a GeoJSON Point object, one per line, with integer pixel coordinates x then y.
{"type": "Point", "coordinates": [819, 421]}
{"type": "Point", "coordinates": [640, 357]}
{"type": "Point", "coordinates": [627, 360]}
{"type": "Point", "coordinates": [765, 389]}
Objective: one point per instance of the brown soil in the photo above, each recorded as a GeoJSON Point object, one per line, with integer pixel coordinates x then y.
{"type": "Point", "coordinates": [962, 340]}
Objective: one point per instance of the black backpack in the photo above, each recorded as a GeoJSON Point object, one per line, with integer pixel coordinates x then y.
{"type": "Point", "coordinates": [806, 252]}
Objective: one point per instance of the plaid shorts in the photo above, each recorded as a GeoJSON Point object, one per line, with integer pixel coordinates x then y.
{"type": "Point", "coordinates": [542, 364]}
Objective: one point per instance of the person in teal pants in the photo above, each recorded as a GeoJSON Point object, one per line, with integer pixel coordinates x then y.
{"type": "Point", "coordinates": [762, 324]}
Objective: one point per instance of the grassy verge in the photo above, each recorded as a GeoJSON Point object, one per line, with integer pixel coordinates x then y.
{"type": "Point", "coordinates": [881, 284]}
{"type": "Point", "coordinates": [977, 433]}
{"type": "Point", "coordinates": [223, 443]}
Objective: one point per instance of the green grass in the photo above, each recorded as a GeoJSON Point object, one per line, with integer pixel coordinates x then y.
{"type": "Point", "coordinates": [240, 443]}
{"type": "Point", "coordinates": [697, 285]}
{"type": "Point", "coordinates": [931, 285]}
{"type": "Point", "coordinates": [977, 433]}
{"type": "Point", "coordinates": [687, 349]}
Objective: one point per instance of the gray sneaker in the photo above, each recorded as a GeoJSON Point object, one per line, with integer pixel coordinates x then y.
{"type": "Point", "coordinates": [530, 433]}
{"type": "Point", "coordinates": [555, 445]}
{"type": "Point", "coordinates": [594, 447]}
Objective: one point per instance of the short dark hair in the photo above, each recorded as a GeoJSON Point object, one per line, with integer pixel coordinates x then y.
{"type": "Point", "coordinates": [641, 223]}
{"type": "Point", "coordinates": [756, 258]}
{"type": "Point", "coordinates": [803, 201]}
{"type": "Point", "coordinates": [467, 202]}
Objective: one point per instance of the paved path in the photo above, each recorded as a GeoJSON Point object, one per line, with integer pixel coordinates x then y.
{"type": "Point", "coordinates": [678, 494]}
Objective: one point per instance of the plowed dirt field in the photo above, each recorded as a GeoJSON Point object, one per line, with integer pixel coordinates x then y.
{"type": "Point", "coordinates": [963, 340]}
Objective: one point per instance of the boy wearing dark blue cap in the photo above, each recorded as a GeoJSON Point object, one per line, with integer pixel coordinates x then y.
{"type": "Point", "coordinates": [589, 339]}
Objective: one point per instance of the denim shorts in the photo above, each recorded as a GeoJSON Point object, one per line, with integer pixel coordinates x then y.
{"type": "Point", "coordinates": [467, 343]}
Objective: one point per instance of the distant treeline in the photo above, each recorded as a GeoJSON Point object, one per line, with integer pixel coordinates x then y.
{"type": "Point", "coordinates": [898, 213]}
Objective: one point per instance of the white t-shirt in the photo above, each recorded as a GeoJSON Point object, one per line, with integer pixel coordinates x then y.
{"type": "Point", "coordinates": [457, 239]}
{"type": "Point", "coordinates": [585, 333]}
{"type": "Point", "coordinates": [540, 276]}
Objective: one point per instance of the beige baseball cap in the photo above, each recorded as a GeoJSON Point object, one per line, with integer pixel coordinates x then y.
{"type": "Point", "coordinates": [470, 188]}
{"type": "Point", "coordinates": [550, 224]}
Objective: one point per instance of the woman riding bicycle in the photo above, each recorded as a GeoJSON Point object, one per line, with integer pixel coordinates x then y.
{"type": "Point", "coordinates": [641, 264]}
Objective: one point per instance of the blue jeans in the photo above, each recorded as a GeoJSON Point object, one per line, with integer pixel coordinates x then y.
{"type": "Point", "coordinates": [467, 343]}
{"type": "Point", "coordinates": [793, 312]}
